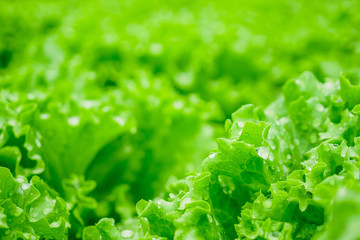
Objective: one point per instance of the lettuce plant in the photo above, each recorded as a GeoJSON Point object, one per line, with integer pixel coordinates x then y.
{"type": "Point", "coordinates": [111, 117]}
{"type": "Point", "coordinates": [91, 149]}
{"type": "Point", "coordinates": [290, 171]}
{"type": "Point", "coordinates": [225, 52]}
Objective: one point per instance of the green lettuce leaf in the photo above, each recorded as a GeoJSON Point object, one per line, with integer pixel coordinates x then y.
{"type": "Point", "coordinates": [31, 210]}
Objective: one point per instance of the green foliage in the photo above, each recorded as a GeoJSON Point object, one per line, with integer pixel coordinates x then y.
{"type": "Point", "coordinates": [288, 172]}
{"type": "Point", "coordinates": [104, 153]}
{"type": "Point", "coordinates": [231, 52]}
{"type": "Point", "coordinates": [30, 210]}
{"type": "Point", "coordinates": [111, 113]}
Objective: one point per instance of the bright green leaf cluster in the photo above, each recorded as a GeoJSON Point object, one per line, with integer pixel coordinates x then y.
{"type": "Point", "coordinates": [230, 52]}
{"type": "Point", "coordinates": [30, 210]}
{"type": "Point", "coordinates": [106, 103]}
{"type": "Point", "coordinates": [288, 172]}
{"type": "Point", "coordinates": [93, 151]}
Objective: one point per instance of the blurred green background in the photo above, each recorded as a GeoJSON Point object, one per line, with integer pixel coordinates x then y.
{"type": "Point", "coordinates": [232, 52]}
{"type": "Point", "coordinates": [173, 71]}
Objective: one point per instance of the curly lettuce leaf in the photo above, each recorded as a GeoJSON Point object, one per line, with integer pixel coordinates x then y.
{"type": "Point", "coordinates": [31, 210]}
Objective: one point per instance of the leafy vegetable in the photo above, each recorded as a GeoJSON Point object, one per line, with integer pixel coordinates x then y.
{"type": "Point", "coordinates": [111, 114]}
{"type": "Point", "coordinates": [31, 210]}
{"type": "Point", "coordinates": [282, 173]}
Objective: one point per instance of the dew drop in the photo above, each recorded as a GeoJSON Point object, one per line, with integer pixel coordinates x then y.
{"type": "Point", "coordinates": [267, 203]}
{"type": "Point", "coordinates": [212, 155]}
{"type": "Point", "coordinates": [25, 186]}
{"type": "Point", "coordinates": [178, 105]}
{"type": "Point", "coordinates": [120, 121]}
{"type": "Point", "coordinates": [73, 121]}
{"type": "Point", "coordinates": [44, 116]}
{"type": "Point", "coordinates": [127, 233]}
{"type": "Point", "coordinates": [38, 143]}
{"type": "Point", "coordinates": [264, 152]}
{"type": "Point", "coordinates": [55, 225]}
